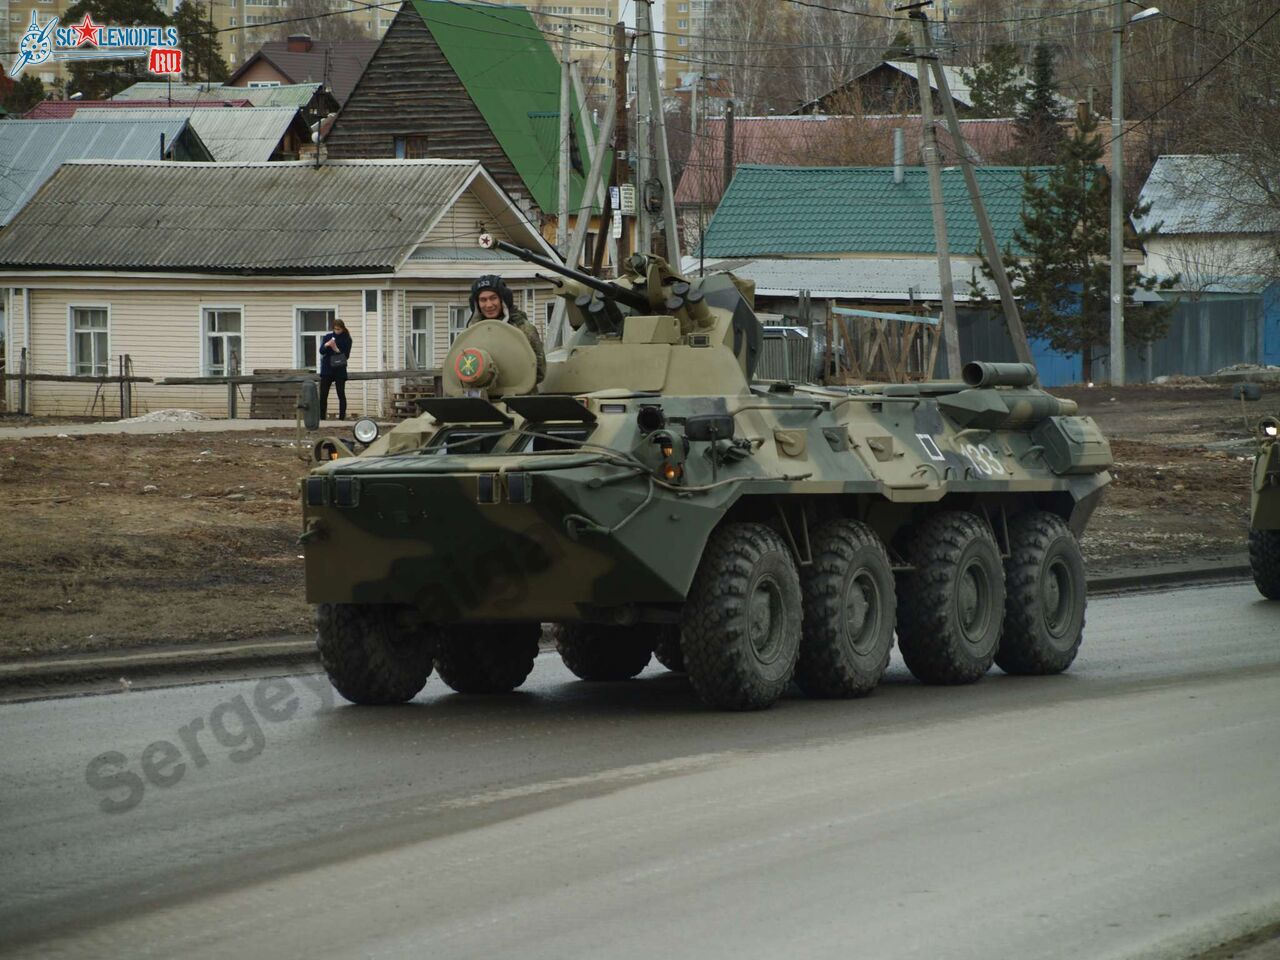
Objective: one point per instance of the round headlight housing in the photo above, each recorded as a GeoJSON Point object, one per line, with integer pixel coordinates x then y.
{"type": "Point", "coordinates": [1269, 428]}
{"type": "Point", "coordinates": [365, 430]}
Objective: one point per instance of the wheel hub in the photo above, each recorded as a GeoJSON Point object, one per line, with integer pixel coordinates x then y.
{"type": "Point", "coordinates": [764, 619]}
{"type": "Point", "coordinates": [861, 611]}
{"type": "Point", "coordinates": [973, 600]}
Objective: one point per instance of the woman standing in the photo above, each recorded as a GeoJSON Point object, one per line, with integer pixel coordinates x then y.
{"type": "Point", "coordinates": [335, 351]}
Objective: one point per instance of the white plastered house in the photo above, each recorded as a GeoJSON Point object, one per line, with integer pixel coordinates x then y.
{"type": "Point", "coordinates": [190, 269]}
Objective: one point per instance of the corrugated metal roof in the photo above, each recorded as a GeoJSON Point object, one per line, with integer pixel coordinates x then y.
{"type": "Point", "coordinates": [823, 140]}
{"type": "Point", "coordinates": [771, 210]}
{"type": "Point", "coordinates": [880, 278]}
{"type": "Point", "coordinates": [31, 150]}
{"type": "Point", "coordinates": [459, 253]}
{"type": "Point", "coordinates": [233, 134]}
{"type": "Point", "coordinates": [286, 95]}
{"type": "Point", "coordinates": [284, 218]}
{"type": "Point", "coordinates": [66, 109]}
{"type": "Point", "coordinates": [1192, 193]}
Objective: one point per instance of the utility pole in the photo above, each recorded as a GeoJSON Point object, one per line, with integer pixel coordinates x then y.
{"type": "Point", "coordinates": [1116, 360]}
{"type": "Point", "coordinates": [644, 127]}
{"type": "Point", "coordinates": [929, 145]}
{"type": "Point", "coordinates": [1012, 319]}
{"type": "Point", "coordinates": [670, 248]}
{"type": "Point", "coordinates": [566, 119]}
{"type": "Point", "coordinates": [622, 140]}
{"type": "Point", "coordinates": [592, 141]}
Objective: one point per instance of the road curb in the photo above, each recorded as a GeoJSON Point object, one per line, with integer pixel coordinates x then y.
{"type": "Point", "coordinates": [230, 660]}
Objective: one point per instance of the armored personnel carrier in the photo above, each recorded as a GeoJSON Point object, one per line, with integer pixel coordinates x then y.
{"type": "Point", "coordinates": [1264, 510]}
{"type": "Point", "coordinates": [650, 497]}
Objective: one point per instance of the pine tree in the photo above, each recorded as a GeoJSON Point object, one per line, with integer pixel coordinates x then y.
{"type": "Point", "coordinates": [102, 79]}
{"type": "Point", "coordinates": [1062, 272]}
{"type": "Point", "coordinates": [201, 52]}
{"type": "Point", "coordinates": [1037, 129]}
{"type": "Point", "coordinates": [995, 86]}
{"type": "Point", "coordinates": [23, 95]}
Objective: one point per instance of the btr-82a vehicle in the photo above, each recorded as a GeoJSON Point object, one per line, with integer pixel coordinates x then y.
{"type": "Point", "coordinates": [650, 497]}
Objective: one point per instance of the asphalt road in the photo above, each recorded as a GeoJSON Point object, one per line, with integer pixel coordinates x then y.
{"type": "Point", "coordinates": [1126, 809]}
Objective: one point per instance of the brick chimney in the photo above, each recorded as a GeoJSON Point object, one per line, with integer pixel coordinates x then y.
{"type": "Point", "coordinates": [299, 43]}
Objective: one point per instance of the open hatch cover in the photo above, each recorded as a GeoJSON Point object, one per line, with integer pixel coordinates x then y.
{"type": "Point", "coordinates": [462, 410]}
{"type": "Point", "coordinates": [551, 408]}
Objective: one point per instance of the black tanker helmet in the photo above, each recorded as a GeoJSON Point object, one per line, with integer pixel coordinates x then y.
{"type": "Point", "coordinates": [491, 281]}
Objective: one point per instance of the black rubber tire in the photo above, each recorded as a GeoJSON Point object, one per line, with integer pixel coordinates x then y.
{"type": "Point", "coordinates": [487, 658]}
{"type": "Point", "coordinates": [374, 653]}
{"type": "Point", "coordinates": [951, 606]}
{"type": "Point", "coordinates": [595, 652]}
{"type": "Point", "coordinates": [1045, 596]}
{"type": "Point", "coordinates": [1264, 558]}
{"type": "Point", "coordinates": [666, 648]}
{"type": "Point", "coordinates": [740, 627]}
{"type": "Point", "coordinates": [849, 612]}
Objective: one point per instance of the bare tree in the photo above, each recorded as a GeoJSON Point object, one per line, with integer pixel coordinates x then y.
{"type": "Point", "coordinates": [322, 20]}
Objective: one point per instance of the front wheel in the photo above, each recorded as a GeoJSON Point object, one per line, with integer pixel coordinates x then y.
{"type": "Point", "coordinates": [1044, 606]}
{"type": "Point", "coordinates": [487, 658]}
{"type": "Point", "coordinates": [950, 607]}
{"type": "Point", "coordinates": [1264, 560]}
{"type": "Point", "coordinates": [373, 653]}
{"type": "Point", "coordinates": [740, 627]}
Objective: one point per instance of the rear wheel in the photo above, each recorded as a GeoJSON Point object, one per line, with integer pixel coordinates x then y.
{"type": "Point", "coordinates": [950, 607]}
{"type": "Point", "coordinates": [1264, 559]}
{"type": "Point", "coordinates": [1046, 596]}
{"type": "Point", "coordinates": [487, 658]}
{"type": "Point", "coordinates": [849, 605]}
{"type": "Point", "coordinates": [373, 653]}
{"type": "Point", "coordinates": [740, 627]}
{"type": "Point", "coordinates": [594, 652]}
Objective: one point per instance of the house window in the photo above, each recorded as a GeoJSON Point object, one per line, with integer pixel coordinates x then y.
{"type": "Point", "coordinates": [528, 306]}
{"type": "Point", "coordinates": [89, 348]}
{"type": "Point", "coordinates": [411, 147]}
{"type": "Point", "coordinates": [458, 317]}
{"type": "Point", "coordinates": [313, 324]}
{"type": "Point", "coordinates": [421, 324]}
{"type": "Point", "coordinates": [223, 352]}
{"type": "Point", "coordinates": [371, 301]}
{"type": "Point", "coordinates": [259, 84]}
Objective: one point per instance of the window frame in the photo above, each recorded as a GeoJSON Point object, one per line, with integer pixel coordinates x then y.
{"type": "Point", "coordinates": [298, 349]}
{"type": "Point", "coordinates": [205, 309]}
{"type": "Point", "coordinates": [72, 365]}
{"type": "Point", "coordinates": [463, 311]}
{"type": "Point", "coordinates": [428, 334]}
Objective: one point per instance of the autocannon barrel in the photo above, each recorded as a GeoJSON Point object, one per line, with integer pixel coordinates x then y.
{"type": "Point", "coordinates": [982, 374]}
{"type": "Point", "coordinates": [632, 298]}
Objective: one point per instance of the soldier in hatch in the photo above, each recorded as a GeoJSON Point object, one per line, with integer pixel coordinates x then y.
{"type": "Point", "coordinates": [491, 300]}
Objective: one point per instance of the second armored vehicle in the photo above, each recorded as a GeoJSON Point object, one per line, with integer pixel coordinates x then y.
{"type": "Point", "coordinates": [652, 498]}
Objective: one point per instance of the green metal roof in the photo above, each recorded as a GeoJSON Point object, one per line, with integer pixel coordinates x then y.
{"type": "Point", "coordinates": [772, 210]}
{"type": "Point", "coordinates": [506, 65]}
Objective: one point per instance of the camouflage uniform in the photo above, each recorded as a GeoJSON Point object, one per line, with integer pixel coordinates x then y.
{"type": "Point", "coordinates": [517, 318]}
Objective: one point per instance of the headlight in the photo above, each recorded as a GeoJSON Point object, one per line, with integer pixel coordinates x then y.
{"type": "Point", "coordinates": [1269, 427]}
{"type": "Point", "coordinates": [366, 430]}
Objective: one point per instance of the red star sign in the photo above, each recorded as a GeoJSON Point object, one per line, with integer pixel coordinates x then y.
{"type": "Point", "coordinates": [87, 31]}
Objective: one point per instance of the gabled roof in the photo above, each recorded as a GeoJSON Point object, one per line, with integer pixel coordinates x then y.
{"type": "Point", "coordinates": [504, 62]}
{"type": "Point", "coordinates": [336, 62]}
{"type": "Point", "coordinates": [232, 134]}
{"type": "Point", "coordinates": [66, 109]}
{"type": "Point", "coordinates": [1195, 193]}
{"type": "Point", "coordinates": [793, 211]}
{"type": "Point", "coordinates": [825, 140]}
{"type": "Point", "coordinates": [354, 216]}
{"type": "Point", "coordinates": [288, 95]}
{"type": "Point", "coordinates": [956, 82]}
{"type": "Point", "coordinates": [32, 150]}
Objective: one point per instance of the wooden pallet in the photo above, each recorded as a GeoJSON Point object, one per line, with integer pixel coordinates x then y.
{"type": "Point", "coordinates": [275, 401]}
{"type": "Point", "coordinates": [404, 402]}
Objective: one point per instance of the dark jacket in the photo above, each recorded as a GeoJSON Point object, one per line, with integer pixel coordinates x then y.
{"type": "Point", "coordinates": [327, 369]}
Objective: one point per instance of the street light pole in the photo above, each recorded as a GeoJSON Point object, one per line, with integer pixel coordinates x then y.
{"type": "Point", "coordinates": [1117, 194]}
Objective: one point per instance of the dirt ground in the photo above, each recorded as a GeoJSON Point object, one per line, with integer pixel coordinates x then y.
{"type": "Point", "coordinates": [120, 541]}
